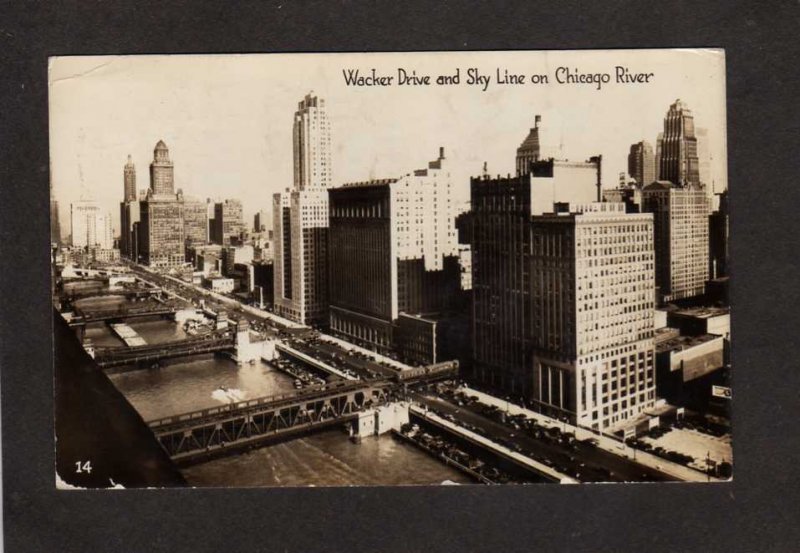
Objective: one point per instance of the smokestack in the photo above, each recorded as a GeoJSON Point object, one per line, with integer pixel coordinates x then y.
{"type": "Point", "coordinates": [536, 121]}
{"type": "Point", "coordinates": [441, 152]}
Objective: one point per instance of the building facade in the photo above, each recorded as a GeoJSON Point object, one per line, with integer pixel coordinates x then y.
{"type": "Point", "coordinates": [641, 163]}
{"type": "Point", "coordinates": [300, 221]}
{"type": "Point", "coordinates": [681, 238]}
{"type": "Point", "coordinates": [161, 233]}
{"type": "Point", "coordinates": [393, 252]}
{"type": "Point", "coordinates": [228, 221]}
{"type": "Point", "coordinates": [678, 161]}
{"type": "Point", "coordinates": [195, 221]}
{"type": "Point", "coordinates": [89, 226]}
{"type": "Point", "coordinates": [593, 314]}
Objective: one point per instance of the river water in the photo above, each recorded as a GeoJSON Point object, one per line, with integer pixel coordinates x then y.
{"type": "Point", "coordinates": [327, 458]}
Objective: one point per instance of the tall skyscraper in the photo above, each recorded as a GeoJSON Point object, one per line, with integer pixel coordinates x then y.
{"type": "Point", "coordinates": [300, 220]}
{"type": "Point", "coordinates": [593, 314]}
{"type": "Point", "coordinates": [500, 235]}
{"type": "Point", "coordinates": [678, 161]}
{"type": "Point", "coordinates": [529, 151]}
{"type": "Point", "coordinates": [393, 253]}
{"type": "Point", "coordinates": [161, 229]}
{"type": "Point", "coordinates": [312, 145]}
{"type": "Point", "coordinates": [129, 180]}
{"type": "Point", "coordinates": [681, 238]}
{"type": "Point", "coordinates": [641, 163]}
{"type": "Point", "coordinates": [128, 209]}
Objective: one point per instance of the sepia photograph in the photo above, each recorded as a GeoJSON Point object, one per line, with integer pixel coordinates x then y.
{"type": "Point", "coordinates": [390, 269]}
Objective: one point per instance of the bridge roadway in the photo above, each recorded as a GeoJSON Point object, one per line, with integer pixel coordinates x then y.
{"type": "Point", "coordinates": [81, 319]}
{"type": "Point", "coordinates": [74, 295]}
{"type": "Point", "coordinates": [198, 435]}
{"type": "Point", "coordinates": [119, 356]}
{"type": "Point", "coordinates": [591, 463]}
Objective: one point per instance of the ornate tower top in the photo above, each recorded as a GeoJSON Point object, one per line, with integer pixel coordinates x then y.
{"type": "Point", "coordinates": [161, 152]}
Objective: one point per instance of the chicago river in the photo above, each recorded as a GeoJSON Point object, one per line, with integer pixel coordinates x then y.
{"type": "Point", "coordinates": [327, 458]}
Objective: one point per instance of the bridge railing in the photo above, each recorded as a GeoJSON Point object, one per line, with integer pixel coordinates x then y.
{"type": "Point", "coordinates": [308, 394]}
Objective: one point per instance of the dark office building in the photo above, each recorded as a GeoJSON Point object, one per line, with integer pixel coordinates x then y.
{"type": "Point", "coordinates": [395, 278]}
{"type": "Point", "coordinates": [227, 222]}
{"type": "Point", "coordinates": [718, 239]}
{"type": "Point", "coordinates": [641, 163]}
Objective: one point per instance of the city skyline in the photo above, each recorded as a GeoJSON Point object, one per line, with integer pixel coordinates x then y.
{"type": "Point", "coordinates": [229, 143]}
{"type": "Point", "coordinates": [384, 303]}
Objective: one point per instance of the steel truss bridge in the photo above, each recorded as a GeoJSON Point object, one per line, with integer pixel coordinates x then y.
{"type": "Point", "coordinates": [209, 432]}
{"type": "Point", "coordinates": [75, 295]}
{"type": "Point", "coordinates": [82, 319]}
{"type": "Point", "coordinates": [124, 355]}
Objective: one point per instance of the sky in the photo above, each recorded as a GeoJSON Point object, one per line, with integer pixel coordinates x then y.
{"type": "Point", "coordinates": [227, 119]}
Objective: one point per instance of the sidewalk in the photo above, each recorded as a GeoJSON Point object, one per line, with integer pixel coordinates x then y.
{"type": "Point", "coordinates": [603, 442]}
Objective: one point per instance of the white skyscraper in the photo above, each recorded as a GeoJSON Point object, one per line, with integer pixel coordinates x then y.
{"type": "Point", "coordinates": [89, 226]}
{"type": "Point", "coordinates": [300, 220]}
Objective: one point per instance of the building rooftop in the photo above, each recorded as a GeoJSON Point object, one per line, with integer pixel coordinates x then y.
{"type": "Point", "coordinates": [372, 182]}
{"type": "Point", "coordinates": [680, 343]}
{"type": "Point", "coordinates": [703, 312]}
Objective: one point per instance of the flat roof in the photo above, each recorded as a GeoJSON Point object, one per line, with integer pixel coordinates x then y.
{"type": "Point", "coordinates": [681, 343]}
{"type": "Point", "coordinates": [703, 312]}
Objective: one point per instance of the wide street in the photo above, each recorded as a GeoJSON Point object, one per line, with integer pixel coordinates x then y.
{"type": "Point", "coordinates": [592, 464]}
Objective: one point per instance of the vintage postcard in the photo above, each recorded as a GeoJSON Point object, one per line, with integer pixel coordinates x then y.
{"type": "Point", "coordinates": [414, 268]}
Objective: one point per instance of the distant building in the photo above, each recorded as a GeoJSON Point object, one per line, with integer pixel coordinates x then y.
{"type": "Point", "coordinates": [300, 220]}
{"type": "Point", "coordinates": [704, 159]}
{"type": "Point", "coordinates": [103, 255]}
{"type": "Point", "coordinates": [55, 222]}
{"type": "Point", "coordinates": [555, 181]}
{"type": "Point", "coordinates": [393, 250]}
{"type": "Point", "coordinates": [129, 181]}
{"type": "Point", "coordinates": [195, 221]}
{"type": "Point", "coordinates": [232, 255]}
{"type": "Point", "coordinates": [260, 222]}
{"type": "Point", "coordinates": [205, 258]}
{"type": "Point", "coordinates": [631, 196]}
{"type": "Point", "coordinates": [227, 222]}
{"type": "Point", "coordinates": [678, 161]}
{"type": "Point", "coordinates": [681, 238]}
{"type": "Point", "coordinates": [220, 285]}
{"type": "Point", "coordinates": [698, 321]}
{"type": "Point", "coordinates": [530, 149]}
{"type": "Point", "coordinates": [89, 226]}
{"type": "Point", "coordinates": [641, 163]}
